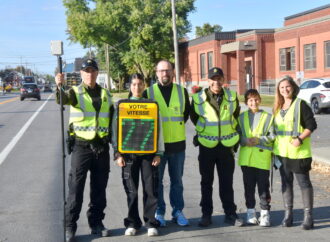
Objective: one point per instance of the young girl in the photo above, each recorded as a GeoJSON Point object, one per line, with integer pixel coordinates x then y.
{"type": "Point", "coordinates": [294, 122]}
{"type": "Point", "coordinates": [256, 129]}
{"type": "Point", "coordinates": [131, 165]}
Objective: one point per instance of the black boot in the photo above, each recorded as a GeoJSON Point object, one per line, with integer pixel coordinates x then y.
{"type": "Point", "coordinates": [288, 204]}
{"type": "Point", "coordinates": [70, 234]}
{"type": "Point", "coordinates": [205, 221]}
{"type": "Point", "coordinates": [307, 196]}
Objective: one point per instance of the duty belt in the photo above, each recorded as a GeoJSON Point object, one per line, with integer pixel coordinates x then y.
{"type": "Point", "coordinates": [213, 138]}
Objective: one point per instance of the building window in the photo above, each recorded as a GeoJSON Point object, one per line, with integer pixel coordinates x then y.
{"type": "Point", "coordinates": [202, 66]}
{"type": "Point", "coordinates": [209, 60]}
{"type": "Point", "coordinates": [327, 54]}
{"type": "Point", "coordinates": [310, 56]}
{"type": "Point", "coordinates": [287, 59]}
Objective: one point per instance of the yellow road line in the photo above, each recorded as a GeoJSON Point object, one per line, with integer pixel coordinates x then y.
{"type": "Point", "coordinates": [9, 100]}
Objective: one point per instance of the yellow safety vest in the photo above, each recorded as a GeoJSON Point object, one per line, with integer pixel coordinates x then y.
{"type": "Point", "coordinates": [211, 128]}
{"type": "Point", "coordinates": [258, 156]}
{"type": "Point", "coordinates": [172, 116]}
{"type": "Point", "coordinates": [86, 121]}
{"type": "Point", "coordinates": [286, 129]}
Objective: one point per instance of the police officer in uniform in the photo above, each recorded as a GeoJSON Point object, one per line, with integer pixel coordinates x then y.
{"type": "Point", "coordinates": [91, 111]}
{"type": "Point", "coordinates": [214, 112]}
{"type": "Point", "coordinates": [173, 101]}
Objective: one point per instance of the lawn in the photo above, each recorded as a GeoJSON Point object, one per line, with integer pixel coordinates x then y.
{"type": "Point", "coordinates": [119, 95]}
{"type": "Point", "coordinates": [266, 100]}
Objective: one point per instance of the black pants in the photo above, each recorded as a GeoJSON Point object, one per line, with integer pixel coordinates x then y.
{"type": "Point", "coordinates": [83, 159]}
{"type": "Point", "coordinates": [253, 177]}
{"type": "Point", "coordinates": [223, 158]}
{"type": "Point", "coordinates": [149, 175]}
{"type": "Point", "coordinates": [287, 179]}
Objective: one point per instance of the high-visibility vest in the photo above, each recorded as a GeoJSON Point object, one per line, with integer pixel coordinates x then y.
{"type": "Point", "coordinates": [172, 115]}
{"type": "Point", "coordinates": [286, 129]}
{"type": "Point", "coordinates": [211, 128]}
{"type": "Point", "coordinates": [86, 121]}
{"type": "Point", "coordinates": [258, 156]}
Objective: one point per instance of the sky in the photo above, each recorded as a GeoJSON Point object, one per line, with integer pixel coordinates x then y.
{"type": "Point", "coordinates": [28, 26]}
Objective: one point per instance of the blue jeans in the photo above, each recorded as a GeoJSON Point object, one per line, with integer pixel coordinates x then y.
{"type": "Point", "coordinates": [175, 169]}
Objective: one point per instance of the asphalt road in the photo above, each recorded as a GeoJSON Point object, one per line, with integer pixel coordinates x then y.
{"type": "Point", "coordinates": [31, 187]}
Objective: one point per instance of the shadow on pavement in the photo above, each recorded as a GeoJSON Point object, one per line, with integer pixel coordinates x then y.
{"type": "Point", "coordinates": [321, 221]}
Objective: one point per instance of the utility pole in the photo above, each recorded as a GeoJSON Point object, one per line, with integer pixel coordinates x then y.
{"type": "Point", "coordinates": [107, 61]}
{"type": "Point", "coordinates": [21, 66]}
{"type": "Point", "coordinates": [25, 72]}
{"type": "Point", "coordinates": [175, 40]}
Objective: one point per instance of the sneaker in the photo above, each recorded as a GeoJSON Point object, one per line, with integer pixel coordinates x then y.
{"type": "Point", "coordinates": [180, 219]}
{"type": "Point", "coordinates": [251, 217]}
{"type": "Point", "coordinates": [130, 231]}
{"type": "Point", "coordinates": [100, 230]}
{"type": "Point", "coordinates": [264, 219]}
{"type": "Point", "coordinates": [69, 234]}
{"type": "Point", "coordinates": [233, 219]}
{"type": "Point", "coordinates": [160, 218]}
{"type": "Point", "coordinates": [205, 221]}
{"type": "Point", "coordinates": [152, 232]}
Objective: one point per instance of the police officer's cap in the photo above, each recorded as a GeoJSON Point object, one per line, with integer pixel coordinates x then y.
{"type": "Point", "coordinates": [89, 63]}
{"type": "Point", "coordinates": [215, 71]}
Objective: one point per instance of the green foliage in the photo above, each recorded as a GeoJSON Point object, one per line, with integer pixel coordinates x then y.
{"type": "Point", "coordinates": [139, 32]}
{"type": "Point", "coordinates": [207, 29]}
{"type": "Point", "coordinates": [49, 78]}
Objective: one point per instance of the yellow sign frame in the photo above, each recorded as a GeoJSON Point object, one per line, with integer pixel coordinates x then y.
{"type": "Point", "coordinates": [134, 110]}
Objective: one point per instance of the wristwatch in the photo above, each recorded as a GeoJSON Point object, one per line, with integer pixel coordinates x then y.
{"type": "Point", "coordinates": [300, 140]}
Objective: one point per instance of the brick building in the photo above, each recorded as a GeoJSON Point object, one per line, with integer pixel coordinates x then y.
{"type": "Point", "coordinates": [257, 58]}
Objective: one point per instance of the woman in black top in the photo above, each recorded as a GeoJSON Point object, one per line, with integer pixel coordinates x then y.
{"type": "Point", "coordinates": [286, 102]}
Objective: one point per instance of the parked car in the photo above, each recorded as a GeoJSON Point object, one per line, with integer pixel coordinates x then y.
{"type": "Point", "coordinates": [30, 91]}
{"type": "Point", "coordinates": [316, 92]}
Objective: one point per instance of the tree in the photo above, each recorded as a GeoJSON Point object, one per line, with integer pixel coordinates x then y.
{"type": "Point", "coordinates": [207, 29]}
{"type": "Point", "coordinates": [139, 32]}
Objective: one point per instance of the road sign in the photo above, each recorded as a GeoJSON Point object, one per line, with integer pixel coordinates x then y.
{"type": "Point", "coordinates": [137, 126]}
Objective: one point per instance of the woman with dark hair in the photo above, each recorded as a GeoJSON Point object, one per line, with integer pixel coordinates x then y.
{"type": "Point", "coordinates": [293, 122]}
{"type": "Point", "coordinates": [134, 164]}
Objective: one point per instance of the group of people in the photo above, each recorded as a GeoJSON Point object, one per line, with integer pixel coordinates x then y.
{"type": "Point", "coordinates": [220, 130]}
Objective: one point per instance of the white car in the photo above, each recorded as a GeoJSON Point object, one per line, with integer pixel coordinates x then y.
{"type": "Point", "coordinates": [316, 92]}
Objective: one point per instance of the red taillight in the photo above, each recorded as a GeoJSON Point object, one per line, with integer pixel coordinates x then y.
{"type": "Point", "coordinates": [23, 90]}
{"type": "Point", "coordinates": [322, 96]}
{"type": "Point", "coordinates": [36, 89]}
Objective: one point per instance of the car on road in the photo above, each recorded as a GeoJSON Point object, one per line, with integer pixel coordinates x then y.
{"type": "Point", "coordinates": [30, 90]}
{"type": "Point", "coordinates": [316, 92]}
{"type": "Point", "coordinates": [48, 88]}
{"type": "Point", "coordinates": [29, 79]}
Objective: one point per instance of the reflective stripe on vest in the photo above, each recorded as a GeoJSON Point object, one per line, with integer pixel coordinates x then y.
{"type": "Point", "coordinates": [172, 115]}
{"type": "Point", "coordinates": [258, 156]}
{"type": "Point", "coordinates": [86, 121]}
{"type": "Point", "coordinates": [212, 129]}
{"type": "Point", "coordinates": [286, 129]}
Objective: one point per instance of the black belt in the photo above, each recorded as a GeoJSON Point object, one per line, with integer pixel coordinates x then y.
{"type": "Point", "coordinates": [89, 142]}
